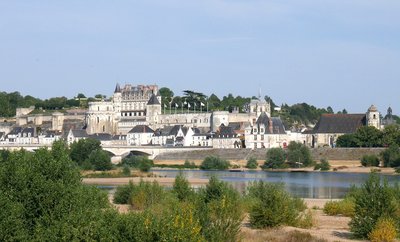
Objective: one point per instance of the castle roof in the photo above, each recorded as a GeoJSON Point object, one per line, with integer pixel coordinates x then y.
{"type": "Point", "coordinates": [141, 129]}
{"type": "Point", "coordinates": [153, 100]}
{"type": "Point", "coordinates": [339, 123]}
{"type": "Point", "coordinates": [117, 88]}
{"type": "Point", "coordinates": [277, 124]}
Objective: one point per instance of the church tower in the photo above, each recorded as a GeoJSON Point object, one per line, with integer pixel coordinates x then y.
{"type": "Point", "coordinates": [373, 117]}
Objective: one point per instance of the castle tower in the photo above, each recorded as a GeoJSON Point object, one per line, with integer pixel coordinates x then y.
{"type": "Point", "coordinates": [153, 110]}
{"type": "Point", "coordinates": [373, 117]}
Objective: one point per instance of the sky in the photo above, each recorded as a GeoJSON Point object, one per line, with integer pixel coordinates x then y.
{"type": "Point", "coordinates": [338, 53]}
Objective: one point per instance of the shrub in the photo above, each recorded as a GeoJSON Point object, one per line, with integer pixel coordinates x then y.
{"type": "Point", "coordinates": [181, 187]}
{"type": "Point", "coordinates": [384, 231]}
{"type": "Point", "coordinates": [391, 156]}
{"type": "Point", "coordinates": [274, 206]}
{"type": "Point", "coordinates": [323, 165]}
{"type": "Point", "coordinates": [252, 163]}
{"type": "Point", "coordinates": [214, 163]}
{"type": "Point", "coordinates": [306, 220]}
{"type": "Point", "coordinates": [220, 211]}
{"type": "Point", "coordinates": [146, 194]}
{"type": "Point", "coordinates": [299, 155]}
{"type": "Point", "coordinates": [343, 207]}
{"type": "Point", "coordinates": [189, 165]}
{"type": "Point", "coordinates": [139, 162]}
{"type": "Point", "coordinates": [275, 158]}
{"type": "Point", "coordinates": [123, 193]}
{"type": "Point", "coordinates": [374, 200]}
{"type": "Point", "coordinates": [126, 171]}
{"type": "Point", "coordinates": [370, 160]}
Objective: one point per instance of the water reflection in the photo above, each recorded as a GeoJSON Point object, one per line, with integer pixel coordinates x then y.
{"type": "Point", "coordinates": [300, 184]}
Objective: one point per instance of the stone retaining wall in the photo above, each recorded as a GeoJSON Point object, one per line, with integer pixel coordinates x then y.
{"type": "Point", "coordinates": [259, 154]}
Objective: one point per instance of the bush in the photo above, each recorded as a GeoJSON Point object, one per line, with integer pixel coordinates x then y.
{"type": "Point", "coordinates": [370, 160]}
{"type": "Point", "coordinates": [274, 206]}
{"type": "Point", "coordinates": [220, 211]}
{"type": "Point", "coordinates": [384, 231]}
{"type": "Point", "coordinates": [343, 207]}
{"type": "Point", "coordinates": [142, 163]}
{"type": "Point", "coordinates": [181, 187]}
{"type": "Point", "coordinates": [189, 165]}
{"type": "Point", "coordinates": [214, 163]}
{"type": "Point", "coordinates": [299, 155]}
{"type": "Point", "coordinates": [252, 163]}
{"type": "Point", "coordinates": [275, 158]}
{"type": "Point", "coordinates": [126, 171]}
{"type": "Point", "coordinates": [391, 156]}
{"type": "Point", "coordinates": [306, 220]}
{"type": "Point", "coordinates": [373, 201]}
{"type": "Point", "coordinates": [146, 194]}
{"type": "Point", "coordinates": [123, 193]}
{"type": "Point", "coordinates": [323, 165]}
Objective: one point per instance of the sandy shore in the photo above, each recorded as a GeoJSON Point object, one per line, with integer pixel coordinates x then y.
{"type": "Point", "coordinates": [164, 181]}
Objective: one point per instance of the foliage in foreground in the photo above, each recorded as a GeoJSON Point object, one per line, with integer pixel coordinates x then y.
{"type": "Point", "coordinates": [384, 230]}
{"type": "Point", "coordinates": [273, 206]}
{"type": "Point", "coordinates": [374, 201]}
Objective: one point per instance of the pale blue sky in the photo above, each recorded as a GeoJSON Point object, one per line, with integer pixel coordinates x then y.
{"type": "Point", "coordinates": [343, 53]}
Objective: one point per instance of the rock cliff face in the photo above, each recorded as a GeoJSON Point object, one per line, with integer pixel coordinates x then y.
{"type": "Point", "coordinates": [259, 154]}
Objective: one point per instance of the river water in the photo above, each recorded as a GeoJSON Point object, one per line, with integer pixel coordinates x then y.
{"type": "Point", "coordinates": [329, 185]}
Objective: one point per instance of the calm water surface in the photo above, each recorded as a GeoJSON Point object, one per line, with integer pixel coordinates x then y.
{"type": "Point", "coordinates": [300, 184]}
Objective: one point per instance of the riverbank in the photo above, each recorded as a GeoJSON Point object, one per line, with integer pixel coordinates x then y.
{"type": "Point", "coordinates": [164, 181]}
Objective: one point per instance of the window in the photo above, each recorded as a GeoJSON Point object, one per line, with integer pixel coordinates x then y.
{"type": "Point", "coordinates": [255, 137]}
{"type": "Point", "coordinates": [262, 137]}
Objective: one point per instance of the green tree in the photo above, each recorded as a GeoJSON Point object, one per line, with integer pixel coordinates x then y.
{"type": "Point", "coordinates": [391, 156]}
{"type": "Point", "coordinates": [391, 135]}
{"type": "Point", "coordinates": [166, 95]}
{"type": "Point", "coordinates": [276, 158]}
{"type": "Point", "coordinates": [81, 149]}
{"type": "Point", "coordinates": [347, 140]}
{"type": "Point", "coordinates": [323, 165]}
{"type": "Point", "coordinates": [42, 198]}
{"type": "Point", "coordinates": [214, 103]}
{"type": "Point", "coordinates": [100, 160]}
{"type": "Point", "coordinates": [368, 136]}
{"type": "Point", "coordinates": [299, 155]}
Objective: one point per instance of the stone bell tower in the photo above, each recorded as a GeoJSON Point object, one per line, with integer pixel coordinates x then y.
{"type": "Point", "coordinates": [373, 117]}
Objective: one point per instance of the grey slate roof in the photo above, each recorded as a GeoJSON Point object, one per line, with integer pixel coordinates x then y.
{"type": "Point", "coordinates": [141, 129]}
{"type": "Point", "coordinates": [101, 136]}
{"type": "Point", "coordinates": [15, 131]}
{"type": "Point", "coordinates": [153, 100]}
{"type": "Point", "coordinates": [339, 123]}
{"type": "Point", "coordinates": [79, 133]}
{"type": "Point", "coordinates": [225, 132]}
{"type": "Point", "coordinates": [277, 124]}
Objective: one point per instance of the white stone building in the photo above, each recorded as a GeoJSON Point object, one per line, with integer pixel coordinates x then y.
{"type": "Point", "coordinates": [266, 132]}
{"type": "Point", "coordinates": [140, 135]}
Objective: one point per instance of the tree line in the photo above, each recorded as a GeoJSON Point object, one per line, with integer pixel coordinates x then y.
{"type": "Point", "coordinates": [9, 102]}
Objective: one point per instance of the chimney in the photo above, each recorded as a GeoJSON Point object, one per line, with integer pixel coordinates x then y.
{"type": "Point", "coordinates": [270, 126]}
